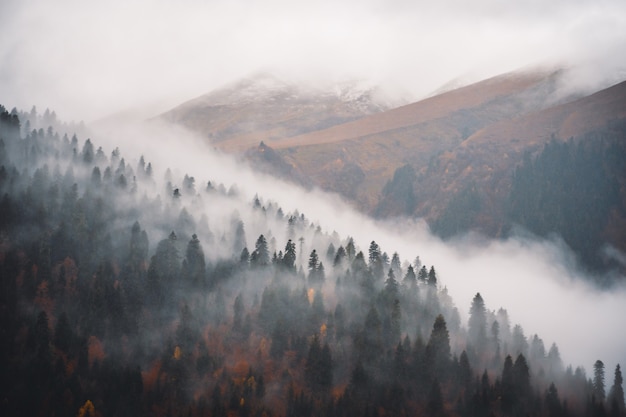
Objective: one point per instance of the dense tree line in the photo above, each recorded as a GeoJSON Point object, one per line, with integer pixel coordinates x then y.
{"type": "Point", "coordinates": [573, 189]}
{"type": "Point", "coordinates": [121, 296]}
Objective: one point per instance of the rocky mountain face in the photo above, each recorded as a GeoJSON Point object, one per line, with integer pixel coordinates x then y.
{"type": "Point", "coordinates": [451, 158]}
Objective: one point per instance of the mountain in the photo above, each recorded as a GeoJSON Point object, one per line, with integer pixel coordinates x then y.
{"type": "Point", "coordinates": [266, 108]}
{"type": "Point", "coordinates": [449, 158]}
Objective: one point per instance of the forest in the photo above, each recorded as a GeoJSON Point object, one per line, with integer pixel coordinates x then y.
{"type": "Point", "coordinates": [129, 289]}
{"type": "Point", "coordinates": [573, 188]}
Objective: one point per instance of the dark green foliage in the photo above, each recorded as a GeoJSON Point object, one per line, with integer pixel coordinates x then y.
{"type": "Point", "coordinates": [289, 258]}
{"type": "Point", "coordinates": [459, 214]}
{"type": "Point", "coordinates": [89, 311]}
{"type": "Point", "coordinates": [477, 326]}
{"type": "Point", "coordinates": [438, 348]}
{"type": "Point", "coordinates": [193, 270]}
{"type": "Point", "coordinates": [318, 370]}
{"type": "Point", "coordinates": [260, 257]}
{"type": "Point", "coordinates": [398, 196]}
{"type": "Point", "coordinates": [434, 406]}
{"type": "Point", "coordinates": [317, 274]}
{"type": "Point", "coordinates": [570, 188]}
{"type": "Point", "coordinates": [616, 395]}
{"type": "Point", "coordinates": [598, 381]}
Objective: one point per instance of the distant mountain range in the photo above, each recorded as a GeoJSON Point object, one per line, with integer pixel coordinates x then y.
{"type": "Point", "coordinates": [450, 158]}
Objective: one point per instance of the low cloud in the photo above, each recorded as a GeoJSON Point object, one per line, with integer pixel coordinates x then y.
{"type": "Point", "coordinates": [536, 281]}
{"type": "Point", "coordinates": [87, 60]}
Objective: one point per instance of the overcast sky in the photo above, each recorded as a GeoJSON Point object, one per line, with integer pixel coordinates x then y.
{"type": "Point", "coordinates": [87, 59]}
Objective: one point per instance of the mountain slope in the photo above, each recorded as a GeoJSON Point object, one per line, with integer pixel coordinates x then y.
{"type": "Point", "coordinates": [489, 156]}
{"type": "Point", "coordinates": [449, 158]}
{"type": "Point", "coordinates": [375, 146]}
{"type": "Point", "coordinates": [265, 108]}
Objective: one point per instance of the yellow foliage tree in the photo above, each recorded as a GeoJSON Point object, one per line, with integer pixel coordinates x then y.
{"type": "Point", "coordinates": [87, 410]}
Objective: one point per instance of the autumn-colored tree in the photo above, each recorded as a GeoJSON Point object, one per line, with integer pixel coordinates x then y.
{"type": "Point", "coordinates": [87, 410]}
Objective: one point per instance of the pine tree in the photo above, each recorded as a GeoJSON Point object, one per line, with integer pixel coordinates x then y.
{"type": "Point", "coordinates": [391, 287]}
{"type": "Point", "coordinates": [477, 326]}
{"type": "Point", "coordinates": [318, 371]}
{"type": "Point", "coordinates": [340, 256]}
{"type": "Point", "coordinates": [194, 264]}
{"type": "Point", "coordinates": [553, 403]}
{"type": "Point", "coordinates": [616, 396]}
{"type": "Point", "coordinates": [289, 258]}
{"type": "Point", "coordinates": [238, 311]}
{"type": "Point", "coordinates": [410, 279]}
{"type": "Point", "coordinates": [432, 277]}
{"type": "Point", "coordinates": [422, 275]}
{"type": "Point", "coordinates": [261, 255]}
{"type": "Point", "coordinates": [438, 348]}
{"type": "Point", "coordinates": [598, 381]}
{"type": "Point", "coordinates": [375, 262]}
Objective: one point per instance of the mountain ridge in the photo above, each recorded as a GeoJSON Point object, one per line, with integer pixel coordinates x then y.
{"type": "Point", "coordinates": [467, 141]}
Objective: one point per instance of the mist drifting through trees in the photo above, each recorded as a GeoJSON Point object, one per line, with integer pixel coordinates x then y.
{"type": "Point", "coordinates": [133, 287]}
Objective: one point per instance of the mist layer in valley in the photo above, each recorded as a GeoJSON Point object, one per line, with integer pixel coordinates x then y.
{"type": "Point", "coordinates": [536, 280]}
{"type": "Point", "coordinates": [151, 263]}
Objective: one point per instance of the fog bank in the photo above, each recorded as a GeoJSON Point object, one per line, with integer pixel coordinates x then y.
{"type": "Point", "coordinates": [87, 60]}
{"type": "Point", "coordinates": [536, 281]}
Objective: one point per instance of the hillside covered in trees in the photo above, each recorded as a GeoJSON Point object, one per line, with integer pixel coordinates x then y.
{"type": "Point", "coordinates": [128, 289]}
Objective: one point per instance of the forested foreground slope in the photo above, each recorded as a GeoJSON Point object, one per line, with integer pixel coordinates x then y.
{"type": "Point", "coordinates": [125, 294]}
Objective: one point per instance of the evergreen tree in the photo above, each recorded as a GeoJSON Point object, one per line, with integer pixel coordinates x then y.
{"type": "Point", "coordinates": [598, 381]}
{"type": "Point", "coordinates": [438, 348]}
{"type": "Point", "coordinates": [350, 250]}
{"type": "Point", "coordinates": [395, 264]}
{"type": "Point", "coordinates": [194, 264]}
{"type": "Point", "coordinates": [616, 396]}
{"type": "Point", "coordinates": [318, 371]}
{"type": "Point", "coordinates": [316, 271]}
{"type": "Point", "coordinates": [238, 312]}
{"type": "Point", "coordinates": [507, 385]}
{"type": "Point", "coordinates": [261, 255]}
{"type": "Point", "coordinates": [391, 287]}
{"type": "Point", "coordinates": [432, 277]}
{"type": "Point", "coordinates": [465, 371]}
{"type": "Point", "coordinates": [289, 258]}
{"type": "Point", "coordinates": [422, 275]}
{"type": "Point", "coordinates": [375, 262]}
{"type": "Point", "coordinates": [477, 326]}
{"type": "Point", "coordinates": [410, 279]}
{"type": "Point", "coordinates": [164, 270]}
{"type": "Point", "coordinates": [553, 404]}
{"type": "Point", "coordinates": [340, 256]}
{"type": "Point", "coordinates": [435, 399]}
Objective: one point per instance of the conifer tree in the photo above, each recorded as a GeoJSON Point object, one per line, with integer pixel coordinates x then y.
{"type": "Point", "coordinates": [289, 258]}
{"type": "Point", "coordinates": [261, 255]}
{"type": "Point", "coordinates": [616, 396]}
{"type": "Point", "coordinates": [477, 326]}
{"type": "Point", "coordinates": [598, 381]}
{"type": "Point", "coordinates": [438, 348]}
{"type": "Point", "coordinates": [410, 279]}
{"type": "Point", "coordinates": [194, 264]}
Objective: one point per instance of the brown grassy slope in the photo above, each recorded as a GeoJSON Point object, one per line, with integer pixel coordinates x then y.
{"type": "Point", "coordinates": [357, 158]}
{"type": "Point", "coordinates": [433, 108]}
{"type": "Point", "coordinates": [264, 108]}
{"type": "Point", "coordinates": [488, 158]}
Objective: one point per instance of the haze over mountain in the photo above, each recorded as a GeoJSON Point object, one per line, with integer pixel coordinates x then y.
{"type": "Point", "coordinates": [161, 53]}
{"type": "Point", "coordinates": [449, 158]}
{"type": "Point", "coordinates": [150, 266]}
{"type": "Point", "coordinates": [265, 108]}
